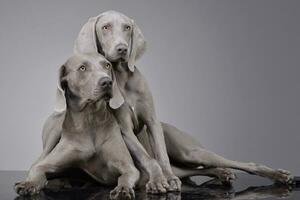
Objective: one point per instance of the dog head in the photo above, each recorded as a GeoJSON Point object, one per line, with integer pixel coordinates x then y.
{"type": "Point", "coordinates": [114, 35]}
{"type": "Point", "coordinates": [84, 79]}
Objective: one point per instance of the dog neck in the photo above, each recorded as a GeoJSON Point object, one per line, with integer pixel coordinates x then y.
{"type": "Point", "coordinates": [91, 117]}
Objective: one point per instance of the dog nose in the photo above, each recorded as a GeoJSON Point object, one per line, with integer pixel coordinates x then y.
{"type": "Point", "coordinates": [105, 82]}
{"type": "Point", "coordinates": [121, 49]}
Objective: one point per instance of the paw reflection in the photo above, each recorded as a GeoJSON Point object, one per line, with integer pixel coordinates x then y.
{"type": "Point", "coordinates": [210, 190]}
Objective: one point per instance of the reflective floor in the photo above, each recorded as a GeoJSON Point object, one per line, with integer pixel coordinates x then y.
{"type": "Point", "coordinates": [245, 187]}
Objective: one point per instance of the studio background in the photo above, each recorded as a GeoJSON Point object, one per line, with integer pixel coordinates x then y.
{"type": "Point", "coordinates": [226, 72]}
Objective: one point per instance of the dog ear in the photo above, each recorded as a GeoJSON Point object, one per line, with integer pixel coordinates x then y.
{"type": "Point", "coordinates": [61, 103]}
{"type": "Point", "coordinates": [87, 41]}
{"type": "Point", "coordinates": [117, 98]}
{"type": "Point", "coordinates": [137, 46]}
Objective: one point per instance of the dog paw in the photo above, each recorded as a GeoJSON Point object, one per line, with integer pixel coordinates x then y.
{"type": "Point", "coordinates": [226, 176]}
{"type": "Point", "coordinates": [157, 186]}
{"type": "Point", "coordinates": [175, 184]}
{"type": "Point", "coordinates": [122, 192]}
{"type": "Point", "coordinates": [283, 177]}
{"type": "Point", "coordinates": [27, 188]}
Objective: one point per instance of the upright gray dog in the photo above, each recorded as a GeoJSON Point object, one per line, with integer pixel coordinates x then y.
{"type": "Point", "coordinates": [118, 38]}
{"type": "Point", "coordinates": [121, 41]}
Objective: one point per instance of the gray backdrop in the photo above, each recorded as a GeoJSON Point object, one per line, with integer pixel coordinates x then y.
{"type": "Point", "coordinates": [225, 71]}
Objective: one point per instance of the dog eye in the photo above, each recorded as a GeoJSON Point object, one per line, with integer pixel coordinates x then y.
{"type": "Point", "coordinates": [105, 27]}
{"type": "Point", "coordinates": [107, 66]}
{"type": "Point", "coordinates": [127, 28]}
{"type": "Point", "coordinates": [82, 68]}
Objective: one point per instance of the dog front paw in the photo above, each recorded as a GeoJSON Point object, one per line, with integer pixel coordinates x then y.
{"type": "Point", "coordinates": [157, 186]}
{"type": "Point", "coordinates": [27, 188]}
{"type": "Point", "coordinates": [122, 192]}
{"type": "Point", "coordinates": [175, 184]}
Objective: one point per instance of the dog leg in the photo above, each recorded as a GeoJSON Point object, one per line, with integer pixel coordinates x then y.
{"type": "Point", "coordinates": [224, 175]}
{"type": "Point", "coordinates": [209, 159]}
{"type": "Point", "coordinates": [62, 156]}
{"type": "Point", "coordinates": [157, 182]}
{"type": "Point", "coordinates": [190, 153]}
{"type": "Point", "coordinates": [126, 183]}
{"type": "Point", "coordinates": [158, 146]}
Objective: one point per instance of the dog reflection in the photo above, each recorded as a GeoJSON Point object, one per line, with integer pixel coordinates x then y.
{"type": "Point", "coordinates": [209, 190]}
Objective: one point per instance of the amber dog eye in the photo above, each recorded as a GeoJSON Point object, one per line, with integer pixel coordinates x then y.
{"type": "Point", "coordinates": [107, 66]}
{"type": "Point", "coordinates": [82, 68]}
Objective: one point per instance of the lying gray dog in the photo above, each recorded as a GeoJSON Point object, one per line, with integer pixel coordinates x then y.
{"type": "Point", "coordinates": [89, 131]}
{"type": "Point", "coordinates": [90, 138]}
{"type": "Point", "coordinates": [118, 38]}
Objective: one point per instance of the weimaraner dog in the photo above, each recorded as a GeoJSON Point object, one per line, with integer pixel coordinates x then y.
{"type": "Point", "coordinates": [119, 39]}
{"type": "Point", "coordinates": [89, 131]}
{"type": "Point", "coordinates": [91, 138]}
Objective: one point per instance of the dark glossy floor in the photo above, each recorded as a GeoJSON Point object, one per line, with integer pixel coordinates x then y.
{"type": "Point", "coordinates": [245, 187]}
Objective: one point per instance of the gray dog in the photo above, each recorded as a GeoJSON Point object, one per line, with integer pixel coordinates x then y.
{"type": "Point", "coordinates": [118, 38]}
{"type": "Point", "coordinates": [90, 138]}
{"type": "Point", "coordinates": [89, 131]}
{"type": "Point", "coordinates": [121, 41]}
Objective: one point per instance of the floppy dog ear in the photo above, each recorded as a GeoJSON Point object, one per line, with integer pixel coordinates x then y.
{"type": "Point", "coordinates": [87, 41]}
{"type": "Point", "coordinates": [61, 103]}
{"type": "Point", "coordinates": [137, 46]}
{"type": "Point", "coordinates": [117, 98]}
